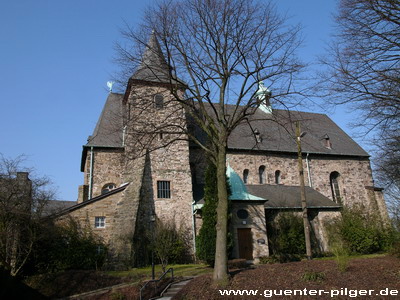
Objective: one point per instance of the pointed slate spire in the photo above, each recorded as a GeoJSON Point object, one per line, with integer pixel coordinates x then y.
{"type": "Point", "coordinates": [153, 67]}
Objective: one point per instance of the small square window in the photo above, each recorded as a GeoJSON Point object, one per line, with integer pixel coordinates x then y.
{"type": "Point", "coordinates": [163, 189]}
{"type": "Point", "coordinates": [100, 222]}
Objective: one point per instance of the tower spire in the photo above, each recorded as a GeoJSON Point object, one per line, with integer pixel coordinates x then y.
{"type": "Point", "coordinates": [153, 66]}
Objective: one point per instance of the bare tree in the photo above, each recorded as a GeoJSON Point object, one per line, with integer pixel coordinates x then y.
{"type": "Point", "coordinates": [364, 66]}
{"type": "Point", "coordinates": [364, 71]}
{"type": "Point", "coordinates": [217, 53]}
{"type": "Point", "coordinates": [22, 200]}
{"type": "Point", "coordinates": [389, 175]}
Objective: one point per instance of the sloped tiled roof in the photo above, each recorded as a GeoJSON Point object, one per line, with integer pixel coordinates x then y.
{"type": "Point", "coordinates": [55, 206]}
{"type": "Point", "coordinates": [108, 130]}
{"type": "Point", "coordinates": [153, 67]}
{"type": "Point", "coordinates": [288, 197]}
{"type": "Point", "coordinates": [89, 201]}
{"type": "Point", "coordinates": [276, 130]}
{"type": "Point", "coordinates": [277, 133]}
{"type": "Point", "coordinates": [277, 196]}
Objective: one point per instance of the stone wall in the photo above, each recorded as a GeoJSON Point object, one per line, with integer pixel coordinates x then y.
{"type": "Point", "coordinates": [355, 173]}
{"type": "Point", "coordinates": [107, 168]}
{"type": "Point", "coordinates": [256, 221]}
{"type": "Point", "coordinates": [157, 133]}
{"type": "Point", "coordinates": [320, 225]}
{"type": "Point", "coordinates": [106, 207]}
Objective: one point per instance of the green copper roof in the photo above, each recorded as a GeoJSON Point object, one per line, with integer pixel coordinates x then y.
{"type": "Point", "coordinates": [238, 189]}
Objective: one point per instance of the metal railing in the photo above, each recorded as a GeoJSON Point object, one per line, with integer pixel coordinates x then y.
{"type": "Point", "coordinates": [156, 281]}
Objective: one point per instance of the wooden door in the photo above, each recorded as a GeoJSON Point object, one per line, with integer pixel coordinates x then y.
{"type": "Point", "coordinates": [245, 242]}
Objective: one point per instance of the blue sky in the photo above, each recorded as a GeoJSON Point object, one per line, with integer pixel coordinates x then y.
{"type": "Point", "coordinates": [56, 57]}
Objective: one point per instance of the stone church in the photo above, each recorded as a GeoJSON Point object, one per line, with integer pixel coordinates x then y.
{"type": "Point", "coordinates": [123, 192]}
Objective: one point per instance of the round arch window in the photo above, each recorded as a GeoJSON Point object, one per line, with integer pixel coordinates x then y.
{"type": "Point", "coordinates": [242, 214]}
{"type": "Point", "coordinates": [108, 187]}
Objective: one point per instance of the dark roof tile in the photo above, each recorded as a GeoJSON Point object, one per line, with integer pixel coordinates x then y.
{"type": "Point", "coordinates": [276, 132]}
{"type": "Point", "coordinates": [108, 130]}
{"type": "Point", "coordinates": [153, 67]}
{"type": "Point", "coordinates": [288, 197]}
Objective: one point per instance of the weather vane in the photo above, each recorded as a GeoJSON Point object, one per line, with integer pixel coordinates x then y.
{"type": "Point", "coordinates": [110, 85]}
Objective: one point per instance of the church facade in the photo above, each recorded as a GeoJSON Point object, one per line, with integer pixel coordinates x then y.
{"type": "Point", "coordinates": [126, 188]}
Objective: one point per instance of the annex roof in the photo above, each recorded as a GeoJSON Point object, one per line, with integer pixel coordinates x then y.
{"type": "Point", "coordinates": [95, 199]}
{"type": "Point", "coordinates": [288, 197]}
{"type": "Point", "coordinates": [52, 207]}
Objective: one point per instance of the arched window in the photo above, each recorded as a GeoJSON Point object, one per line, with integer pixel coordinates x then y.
{"type": "Point", "coordinates": [108, 187]}
{"type": "Point", "coordinates": [159, 101]}
{"type": "Point", "coordinates": [334, 181]}
{"type": "Point", "coordinates": [245, 176]}
{"type": "Point", "coordinates": [278, 177]}
{"type": "Point", "coordinates": [261, 174]}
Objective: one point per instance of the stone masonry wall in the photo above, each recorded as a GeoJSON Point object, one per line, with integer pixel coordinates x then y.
{"type": "Point", "coordinates": [106, 207]}
{"type": "Point", "coordinates": [158, 131]}
{"type": "Point", "coordinates": [107, 168]}
{"type": "Point", "coordinates": [256, 221]}
{"type": "Point", "coordinates": [355, 174]}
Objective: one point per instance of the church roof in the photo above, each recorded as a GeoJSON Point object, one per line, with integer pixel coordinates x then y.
{"type": "Point", "coordinates": [273, 137]}
{"type": "Point", "coordinates": [153, 67]}
{"type": "Point", "coordinates": [108, 130]}
{"type": "Point", "coordinates": [276, 133]}
{"type": "Point", "coordinates": [288, 197]}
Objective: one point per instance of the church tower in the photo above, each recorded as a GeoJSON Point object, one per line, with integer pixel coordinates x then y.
{"type": "Point", "coordinates": [156, 147]}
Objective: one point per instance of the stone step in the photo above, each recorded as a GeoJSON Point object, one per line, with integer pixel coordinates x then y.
{"type": "Point", "coordinates": [173, 290]}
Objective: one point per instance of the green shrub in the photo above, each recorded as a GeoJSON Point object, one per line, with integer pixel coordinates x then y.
{"type": "Point", "coordinates": [395, 250]}
{"type": "Point", "coordinates": [117, 296]}
{"type": "Point", "coordinates": [341, 255]}
{"type": "Point", "coordinates": [170, 244]}
{"type": "Point", "coordinates": [68, 246]}
{"type": "Point", "coordinates": [360, 233]}
{"type": "Point", "coordinates": [287, 238]}
{"type": "Point", "coordinates": [206, 239]}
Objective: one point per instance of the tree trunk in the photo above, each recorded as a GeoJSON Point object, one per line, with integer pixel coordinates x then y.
{"type": "Point", "coordinates": [306, 222]}
{"type": "Point", "coordinates": [221, 258]}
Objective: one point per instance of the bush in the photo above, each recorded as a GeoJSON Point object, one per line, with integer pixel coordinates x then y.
{"type": "Point", "coordinates": [360, 233]}
{"type": "Point", "coordinates": [68, 246]}
{"type": "Point", "coordinates": [341, 255]}
{"type": "Point", "coordinates": [170, 245]}
{"type": "Point", "coordinates": [287, 238]}
{"type": "Point", "coordinates": [395, 250]}
{"type": "Point", "coordinates": [206, 239]}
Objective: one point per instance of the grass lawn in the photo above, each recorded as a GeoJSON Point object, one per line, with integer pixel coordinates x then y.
{"type": "Point", "coordinates": [179, 270]}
